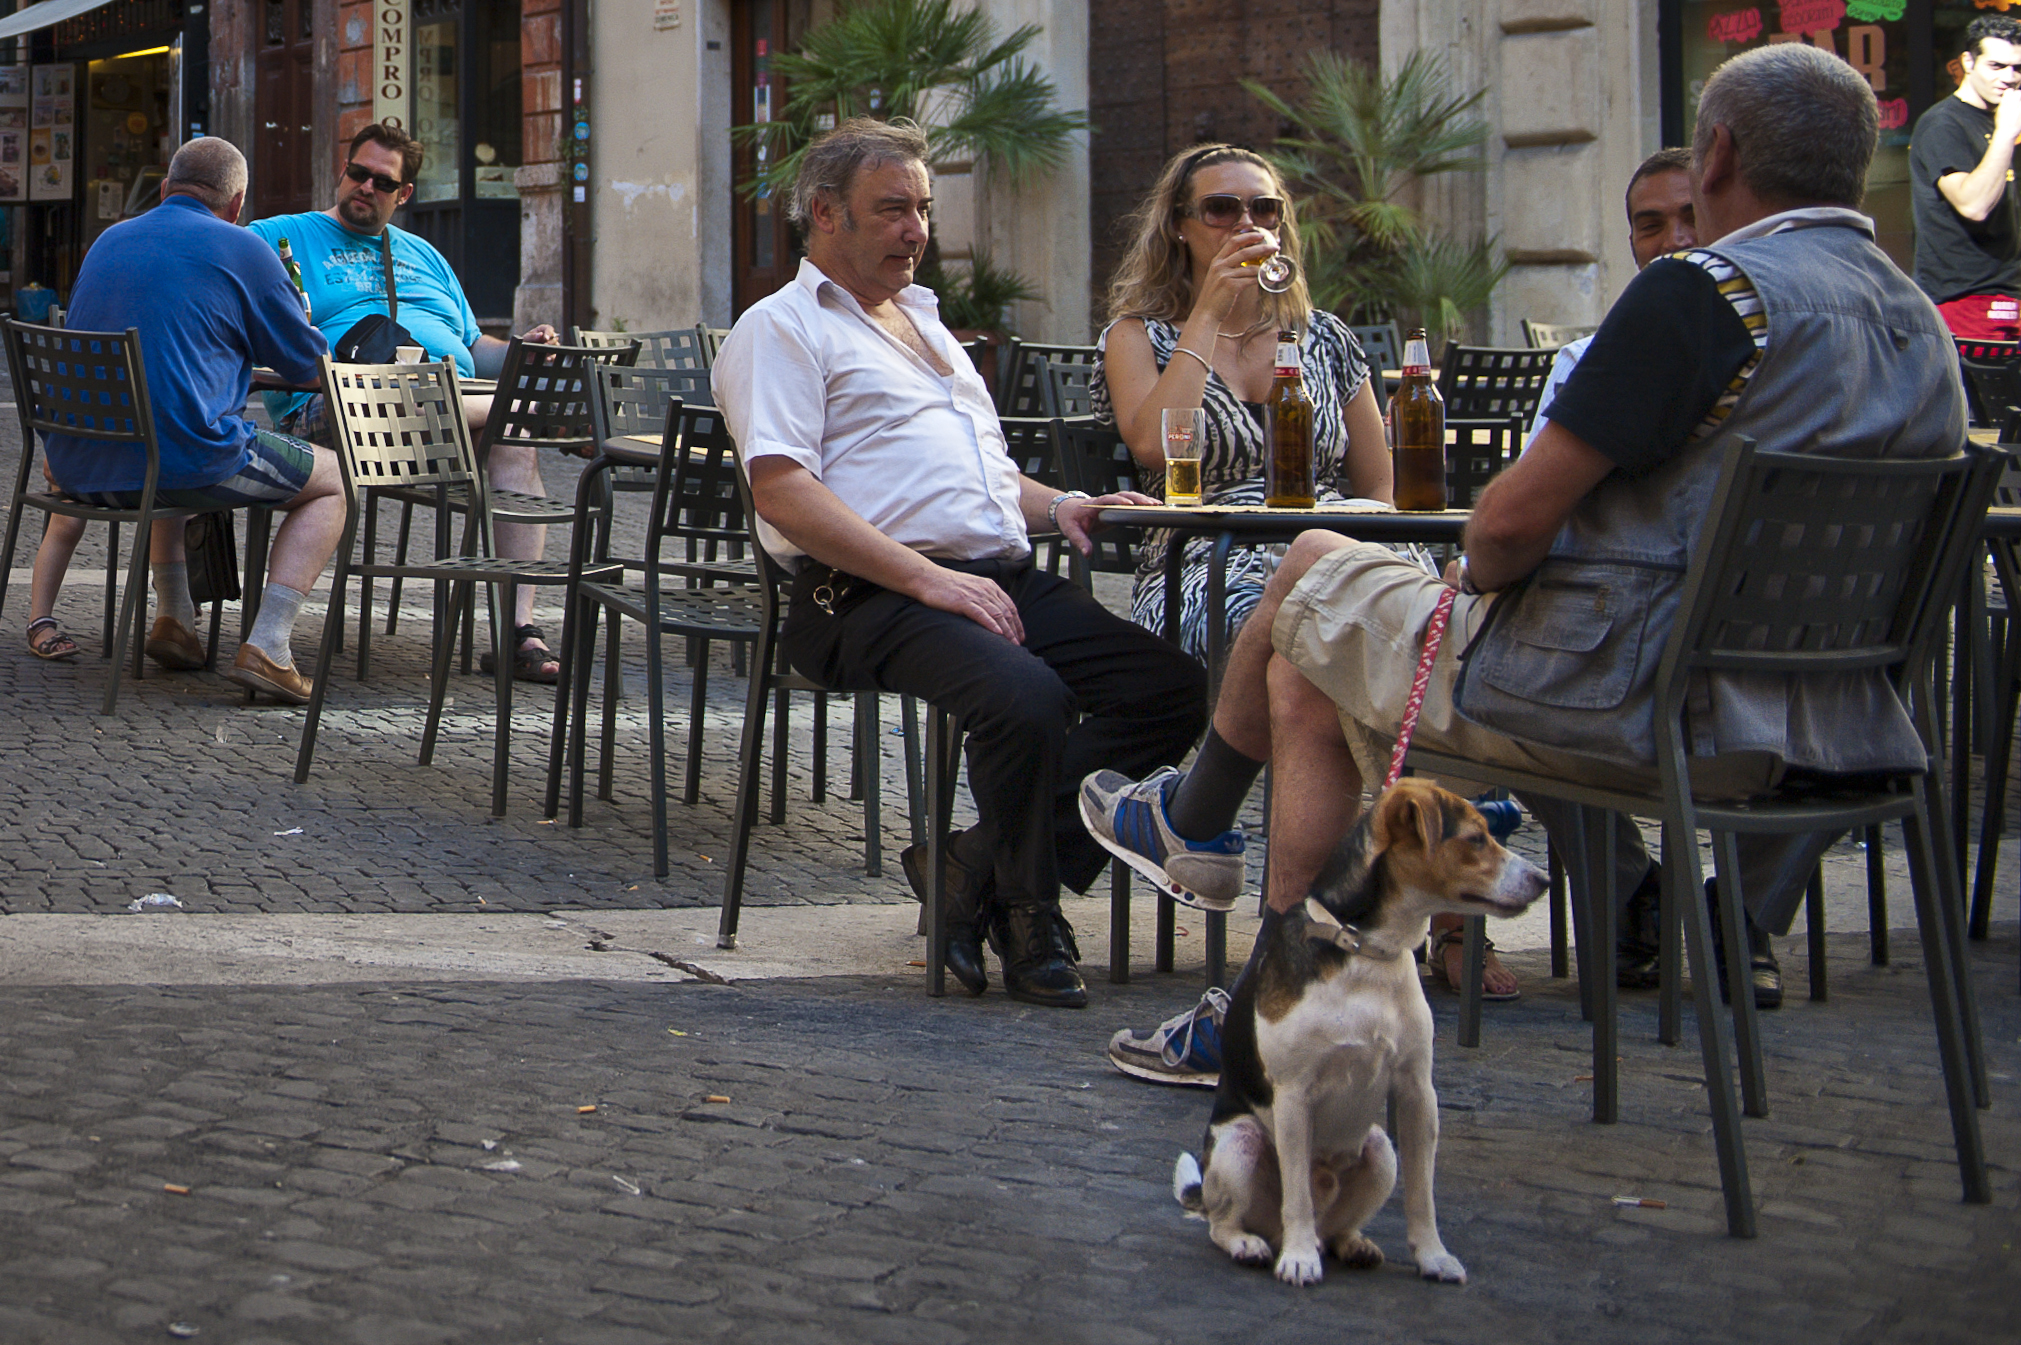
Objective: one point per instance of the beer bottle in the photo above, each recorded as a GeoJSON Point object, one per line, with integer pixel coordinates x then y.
{"type": "Point", "coordinates": [294, 273]}
{"type": "Point", "coordinates": [1287, 427]}
{"type": "Point", "coordinates": [1417, 430]}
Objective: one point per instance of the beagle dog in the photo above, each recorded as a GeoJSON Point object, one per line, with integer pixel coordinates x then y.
{"type": "Point", "coordinates": [1326, 1025]}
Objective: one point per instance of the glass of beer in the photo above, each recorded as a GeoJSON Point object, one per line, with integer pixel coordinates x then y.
{"type": "Point", "coordinates": [1185, 435]}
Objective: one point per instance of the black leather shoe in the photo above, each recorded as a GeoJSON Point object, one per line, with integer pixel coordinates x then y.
{"type": "Point", "coordinates": [1764, 973]}
{"type": "Point", "coordinates": [1036, 946]}
{"type": "Point", "coordinates": [1637, 947]}
{"type": "Point", "coordinates": [963, 898]}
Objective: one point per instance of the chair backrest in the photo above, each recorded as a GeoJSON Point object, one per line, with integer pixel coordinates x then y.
{"type": "Point", "coordinates": [1029, 440]}
{"type": "Point", "coordinates": [1816, 565]}
{"type": "Point", "coordinates": [1551, 335]}
{"type": "Point", "coordinates": [1382, 345]}
{"type": "Point", "coordinates": [92, 385]}
{"type": "Point", "coordinates": [1488, 383]}
{"type": "Point", "coordinates": [712, 339]}
{"type": "Point", "coordinates": [1992, 387]}
{"type": "Point", "coordinates": [700, 503]}
{"type": "Point", "coordinates": [1475, 451]}
{"type": "Point", "coordinates": [634, 400]}
{"type": "Point", "coordinates": [677, 349]}
{"type": "Point", "coordinates": [1065, 388]}
{"type": "Point", "coordinates": [544, 395]}
{"type": "Point", "coordinates": [402, 425]}
{"type": "Point", "coordinates": [1023, 393]}
{"type": "Point", "coordinates": [1093, 457]}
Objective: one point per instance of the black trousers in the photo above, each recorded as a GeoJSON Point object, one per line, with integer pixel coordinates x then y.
{"type": "Point", "coordinates": [1086, 690]}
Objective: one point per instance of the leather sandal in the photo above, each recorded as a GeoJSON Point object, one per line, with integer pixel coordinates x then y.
{"type": "Point", "coordinates": [58, 646]}
{"type": "Point", "coordinates": [528, 665]}
{"type": "Point", "coordinates": [1447, 938]}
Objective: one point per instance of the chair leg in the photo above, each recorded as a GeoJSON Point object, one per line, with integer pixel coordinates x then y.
{"type": "Point", "coordinates": [1474, 960]}
{"type": "Point", "coordinates": [1216, 939]}
{"type": "Point", "coordinates": [1951, 921]}
{"type": "Point", "coordinates": [1814, 930]}
{"type": "Point", "coordinates": [128, 626]}
{"type": "Point", "coordinates": [438, 670]}
{"type": "Point", "coordinates": [745, 814]}
{"type": "Point", "coordinates": [326, 654]}
{"type": "Point", "coordinates": [656, 730]}
{"type": "Point", "coordinates": [259, 539]}
{"type": "Point", "coordinates": [1877, 899]}
{"type": "Point", "coordinates": [782, 738]}
{"type": "Point", "coordinates": [939, 729]}
{"type": "Point", "coordinates": [867, 767]}
{"type": "Point", "coordinates": [1670, 955]}
{"type": "Point", "coordinates": [698, 707]}
{"type": "Point", "coordinates": [400, 558]}
{"type": "Point", "coordinates": [368, 554]}
{"type": "Point", "coordinates": [819, 792]}
{"type": "Point", "coordinates": [111, 618]}
{"type": "Point", "coordinates": [915, 790]}
{"type": "Point", "coordinates": [1999, 753]}
{"type": "Point", "coordinates": [1680, 847]}
{"type": "Point", "coordinates": [1739, 981]}
{"type": "Point", "coordinates": [613, 691]}
{"type": "Point", "coordinates": [1119, 922]}
{"type": "Point", "coordinates": [503, 647]}
{"type": "Point", "coordinates": [579, 738]}
{"type": "Point", "coordinates": [1168, 927]}
{"type": "Point", "coordinates": [1560, 951]}
{"type": "Point", "coordinates": [1600, 920]}
{"type": "Point", "coordinates": [1945, 977]}
{"type": "Point", "coordinates": [1577, 879]}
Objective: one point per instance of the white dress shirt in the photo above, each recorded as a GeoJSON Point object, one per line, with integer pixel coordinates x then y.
{"type": "Point", "coordinates": [1561, 369]}
{"type": "Point", "coordinates": [807, 375]}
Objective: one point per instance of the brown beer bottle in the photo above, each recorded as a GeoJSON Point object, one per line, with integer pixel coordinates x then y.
{"type": "Point", "coordinates": [1417, 431]}
{"type": "Point", "coordinates": [1287, 427]}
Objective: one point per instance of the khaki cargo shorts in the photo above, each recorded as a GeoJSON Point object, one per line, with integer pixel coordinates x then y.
{"type": "Point", "coordinates": [1354, 626]}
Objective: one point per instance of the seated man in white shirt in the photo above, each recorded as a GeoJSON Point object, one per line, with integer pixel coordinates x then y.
{"type": "Point", "coordinates": [880, 474]}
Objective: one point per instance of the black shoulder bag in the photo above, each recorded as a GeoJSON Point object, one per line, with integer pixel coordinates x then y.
{"type": "Point", "coordinates": [377, 338]}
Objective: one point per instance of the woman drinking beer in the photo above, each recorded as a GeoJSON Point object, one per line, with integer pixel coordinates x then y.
{"type": "Point", "coordinates": [1191, 327]}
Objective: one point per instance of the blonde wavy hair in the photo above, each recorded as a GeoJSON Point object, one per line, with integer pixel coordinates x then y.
{"type": "Point", "coordinates": [1153, 281]}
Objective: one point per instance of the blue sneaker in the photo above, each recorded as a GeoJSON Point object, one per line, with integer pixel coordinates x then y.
{"type": "Point", "coordinates": [1128, 817]}
{"type": "Point", "coordinates": [1503, 816]}
{"type": "Point", "coordinates": [1184, 1050]}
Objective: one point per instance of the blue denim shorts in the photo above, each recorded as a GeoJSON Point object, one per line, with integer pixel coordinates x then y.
{"type": "Point", "coordinates": [276, 471]}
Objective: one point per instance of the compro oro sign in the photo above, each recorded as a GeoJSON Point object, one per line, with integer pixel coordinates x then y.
{"type": "Point", "coordinates": [392, 63]}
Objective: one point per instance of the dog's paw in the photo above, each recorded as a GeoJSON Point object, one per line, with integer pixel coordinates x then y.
{"type": "Point", "coordinates": [1356, 1252]}
{"type": "Point", "coordinates": [1248, 1249]}
{"type": "Point", "coordinates": [1300, 1266]}
{"type": "Point", "coordinates": [1442, 1266]}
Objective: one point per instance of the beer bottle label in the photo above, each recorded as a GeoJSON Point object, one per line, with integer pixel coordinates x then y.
{"type": "Point", "coordinates": [1287, 359]}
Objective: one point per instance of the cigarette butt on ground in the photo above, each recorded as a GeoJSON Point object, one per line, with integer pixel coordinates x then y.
{"type": "Point", "coordinates": [1640, 1203]}
{"type": "Point", "coordinates": [715, 1097]}
{"type": "Point", "coordinates": [584, 1111]}
{"type": "Point", "coordinates": [175, 1190]}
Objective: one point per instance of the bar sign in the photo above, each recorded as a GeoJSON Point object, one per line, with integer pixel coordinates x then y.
{"type": "Point", "coordinates": [392, 63]}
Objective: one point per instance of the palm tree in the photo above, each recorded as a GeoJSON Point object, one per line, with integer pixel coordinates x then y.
{"type": "Point", "coordinates": [978, 100]}
{"type": "Point", "coordinates": [1359, 142]}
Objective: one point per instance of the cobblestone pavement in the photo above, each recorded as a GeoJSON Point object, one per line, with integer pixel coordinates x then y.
{"type": "Point", "coordinates": [887, 1166]}
{"type": "Point", "coordinates": [836, 1160]}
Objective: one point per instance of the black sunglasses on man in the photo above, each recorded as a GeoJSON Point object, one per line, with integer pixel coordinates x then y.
{"type": "Point", "coordinates": [380, 182]}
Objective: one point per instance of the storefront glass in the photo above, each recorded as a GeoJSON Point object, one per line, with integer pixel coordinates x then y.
{"type": "Point", "coordinates": [436, 124]}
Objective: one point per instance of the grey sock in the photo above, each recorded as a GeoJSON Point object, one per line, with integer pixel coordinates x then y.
{"type": "Point", "coordinates": [171, 592]}
{"type": "Point", "coordinates": [275, 626]}
{"type": "Point", "coordinates": [1211, 792]}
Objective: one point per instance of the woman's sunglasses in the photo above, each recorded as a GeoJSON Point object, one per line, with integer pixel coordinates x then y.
{"type": "Point", "coordinates": [1219, 211]}
{"type": "Point", "coordinates": [388, 186]}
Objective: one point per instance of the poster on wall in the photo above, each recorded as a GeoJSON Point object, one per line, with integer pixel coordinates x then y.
{"type": "Point", "coordinates": [52, 131]}
{"type": "Point", "coordinates": [13, 132]}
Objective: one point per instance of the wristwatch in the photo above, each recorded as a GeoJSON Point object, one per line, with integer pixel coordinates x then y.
{"type": "Point", "coordinates": [1053, 509]}
{"type": "Point", "coordinates": [1466, 580]}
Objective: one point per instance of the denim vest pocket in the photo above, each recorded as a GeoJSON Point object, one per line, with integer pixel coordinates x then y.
{"type": "Point", "coordinates": [1572, 639]}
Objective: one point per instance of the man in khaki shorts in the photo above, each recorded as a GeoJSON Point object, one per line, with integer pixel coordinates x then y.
{"type": "Point", "coordinates": [1578, 550]}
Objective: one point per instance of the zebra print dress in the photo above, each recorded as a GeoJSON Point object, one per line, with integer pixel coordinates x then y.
{"type": "Point", "coordinates": [1231, 472]}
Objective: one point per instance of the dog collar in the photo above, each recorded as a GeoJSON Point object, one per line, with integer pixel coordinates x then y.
{"type": "Point", "coordinates": [1321, 927]}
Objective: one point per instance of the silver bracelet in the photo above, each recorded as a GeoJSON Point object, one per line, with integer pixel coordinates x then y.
{"type": "Point", "coordinates": [1188, 350]}
{"type": "Point", "coordinates": [1053, 509]}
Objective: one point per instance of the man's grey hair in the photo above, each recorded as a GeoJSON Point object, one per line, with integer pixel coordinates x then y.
{"type": "Point", "coordinates": [830, 165]}
{"type": "Point", "coordinates": [210, 169]}
{"type": "Point", "coordinates": [1804, 124]}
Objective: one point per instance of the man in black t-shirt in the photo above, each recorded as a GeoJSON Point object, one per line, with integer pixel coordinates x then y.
{"type": "Point", "coordinates": [1961, 186]}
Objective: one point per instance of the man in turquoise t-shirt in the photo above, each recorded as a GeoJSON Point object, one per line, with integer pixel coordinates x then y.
{"type": "Point", "coordinates": [342, 252]}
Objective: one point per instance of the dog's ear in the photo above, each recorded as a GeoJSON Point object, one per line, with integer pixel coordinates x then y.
{"type": "Point", "coordinates": [1404, 814]}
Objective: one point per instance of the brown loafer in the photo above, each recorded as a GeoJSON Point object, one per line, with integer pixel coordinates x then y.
{"type": "Point", "coordinates": [174, 646]}
{"type": "Point", "coordinates": [254, 669]}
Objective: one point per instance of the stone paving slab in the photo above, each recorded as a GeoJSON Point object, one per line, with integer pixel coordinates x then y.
{"type": "Point", "coordinates": [371, 1163]}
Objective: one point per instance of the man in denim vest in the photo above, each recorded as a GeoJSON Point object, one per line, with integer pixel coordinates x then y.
{"type": "Point", "coordinates": [1744, 335]}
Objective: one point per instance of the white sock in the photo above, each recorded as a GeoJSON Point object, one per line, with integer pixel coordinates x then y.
{"type": "Point", "coordinates": [171, 592]}
{"type": "Point", "coordinates": [274, 628]}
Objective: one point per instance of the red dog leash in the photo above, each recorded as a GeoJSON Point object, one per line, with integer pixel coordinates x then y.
{"type": "Point", "coordinates": [1435, 634]}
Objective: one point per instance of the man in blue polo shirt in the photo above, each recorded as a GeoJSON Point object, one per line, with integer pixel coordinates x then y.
{"type": "Point", "coordinates": [210, 301]}
{"type": "Point", "coordinates": [344, 253]}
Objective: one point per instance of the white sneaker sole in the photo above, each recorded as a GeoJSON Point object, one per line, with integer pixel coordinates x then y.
{"type": "Point", "coordinates": [1151, 873]}
{"type": "Point", "coordinates": [1150, 1075]}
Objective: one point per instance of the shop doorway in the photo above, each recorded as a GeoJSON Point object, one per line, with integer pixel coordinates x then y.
{"type": "Point", "coordinates": [284, 109]}
{"type": "Point", "coordinates": [763, 248]}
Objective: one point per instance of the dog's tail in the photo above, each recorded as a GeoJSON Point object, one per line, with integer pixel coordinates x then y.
{"type": "Point", "coordinates": [1186, 1183]}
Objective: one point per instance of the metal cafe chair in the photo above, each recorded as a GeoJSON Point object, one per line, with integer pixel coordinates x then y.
{"type": "Point", "coordinates": [1067, 390]}
{"type": "Point", "coordinates": [1487, 383]}
{"type": "Point", "coordinates": [93, 385]}
{"type": "Point", "coordinates": [680, 348]}
{"type": "Point", "coordinates": [542, 401]}
{"type": "Point", "coordinates": [1876, 549]}
{"type": "Point", "coordinates": [1384, 349]}
{"type": "Point", "coordinates": [402, 427]}
{"type": "Point", "coordinates": [1552, 335]}
{"type": "Point", "coordinates": [1992, 374]}
{"type": "Point", "coordinates": [1023, 391]}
